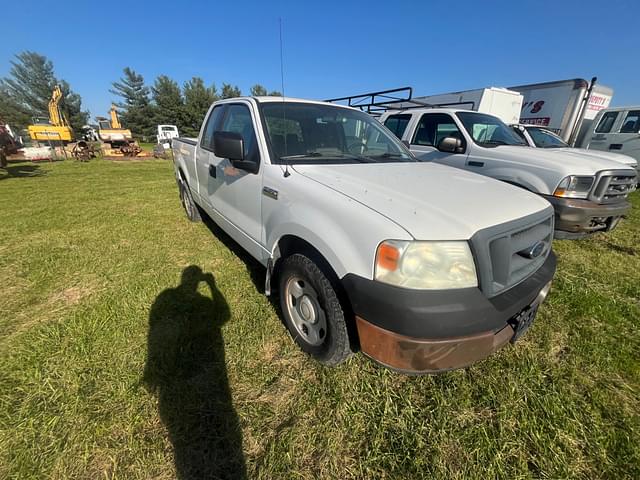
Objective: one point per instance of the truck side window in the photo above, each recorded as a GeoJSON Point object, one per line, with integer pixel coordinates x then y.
{"type": "Point", "coordinates": [606, 122]}
{"type": "Point", "coordinates": [238, 120]}
{"type": "Point", "coordinates": [397, 124]}
{"type": "Point", "coordinates": [433, 127]}
{"type": "Point", "coordinates": [213, 123]}
{"type": "Point", "coordinates": [631, 123]}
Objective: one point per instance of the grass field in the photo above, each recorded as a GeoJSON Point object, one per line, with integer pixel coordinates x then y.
{"type": "Point", "coordinates": [102, 377]}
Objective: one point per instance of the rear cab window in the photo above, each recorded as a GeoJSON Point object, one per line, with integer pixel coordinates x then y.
{"type": "Point", "coordinates": [631, 122]}
{"type": "Point", "coordinates": [606, 122]}
{"type": "Point", "coordinates": [397, 124]}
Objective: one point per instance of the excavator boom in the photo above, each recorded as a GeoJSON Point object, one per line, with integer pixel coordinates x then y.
{"type": "Point", "coordinates": [58, 129]}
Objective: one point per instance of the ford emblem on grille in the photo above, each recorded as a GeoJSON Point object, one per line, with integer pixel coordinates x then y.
{"type": "Point", "coordinates": [534, 251]}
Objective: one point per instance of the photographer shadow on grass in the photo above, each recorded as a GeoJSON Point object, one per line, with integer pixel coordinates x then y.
{"type": "Point", "coordinates": [186, 370]}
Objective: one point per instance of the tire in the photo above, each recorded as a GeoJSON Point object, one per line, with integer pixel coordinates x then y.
{"type": "Point", "coordinates": [312, 310]}
{"type": "Point", "coordinates": [190, 207]}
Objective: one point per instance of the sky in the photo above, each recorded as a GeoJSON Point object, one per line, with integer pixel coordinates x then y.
{"type": "Point", "coordinates": [331, 48]}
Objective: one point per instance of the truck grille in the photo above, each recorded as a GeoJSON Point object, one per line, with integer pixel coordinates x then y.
{"type": "Point", "coordinates": [508, 254]}
{"type": "Point", "coordinates": [613, 186]}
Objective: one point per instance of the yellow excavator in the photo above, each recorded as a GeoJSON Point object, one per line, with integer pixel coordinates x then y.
{"type": "Point", "coordinates": [56, 130]}
{"type": "Point", "coordinates": [116, 140]}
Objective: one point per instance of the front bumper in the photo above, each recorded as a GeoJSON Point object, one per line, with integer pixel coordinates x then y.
{"type": "Point", "coordinates": [576, 218]}
{"type": "Point", "coordinates": [427, 331]}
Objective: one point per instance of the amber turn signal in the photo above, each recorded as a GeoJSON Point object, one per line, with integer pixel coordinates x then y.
{"type": "Point", "coordinates": [387, 257]}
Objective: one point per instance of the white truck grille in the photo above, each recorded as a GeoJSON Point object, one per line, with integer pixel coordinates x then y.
{"type": "Point", "coordinates": [613, 186]}
{"type": "Point", "coordinates": [510, 253]}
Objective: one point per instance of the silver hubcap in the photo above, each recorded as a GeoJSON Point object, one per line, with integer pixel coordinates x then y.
{"type": "Point", "coordinates": [305, 312]}
{"type": "Point", "coordinates": [185, 200]}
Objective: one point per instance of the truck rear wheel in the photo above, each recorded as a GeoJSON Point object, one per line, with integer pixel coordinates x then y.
{"type": "Point", "coordinates": [190, 207]}
{"type": "Point", "coordinates": [312, 311]}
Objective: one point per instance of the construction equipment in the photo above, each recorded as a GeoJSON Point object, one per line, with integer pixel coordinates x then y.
{"type": "Point", "coordinates": [83, 151]}
{"type": "Point", "coordinates": [56, 130]}
{"type": "Point", "coordinates": [8, 143]}
{"type": "Point", "coordinates": [116, 140]}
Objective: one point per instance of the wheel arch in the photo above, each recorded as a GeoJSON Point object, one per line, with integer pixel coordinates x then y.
{"type": "Point", "coordinates": [290, 244]}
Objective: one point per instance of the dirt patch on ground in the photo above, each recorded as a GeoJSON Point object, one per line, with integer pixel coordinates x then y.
{"type": "Point", "coordinates": [71, 295]}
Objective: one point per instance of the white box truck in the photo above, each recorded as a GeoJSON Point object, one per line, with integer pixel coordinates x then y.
{"type": "Point", "coordinates": [499, 102]}
{"type": "Point", "coordinates": [566, 107]}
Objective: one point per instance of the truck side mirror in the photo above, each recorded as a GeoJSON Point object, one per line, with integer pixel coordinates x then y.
{"type": "Point", "coordinates": [228, 145]}
{"type": "Point", "coordinates": [451, 145]}
{"type": "Point", "coordinates": [231, 145]}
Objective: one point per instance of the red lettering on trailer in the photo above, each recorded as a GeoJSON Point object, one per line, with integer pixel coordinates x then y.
{"type": "Point", "coordinates": [540, 121]}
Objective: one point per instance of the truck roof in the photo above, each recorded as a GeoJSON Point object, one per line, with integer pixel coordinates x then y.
{"type": "Point", "coordinates": [273, 99]}
{"type": "Point", "coordinates": [430, 110]}
{"type": "Point", "coordinates": [618, 109]}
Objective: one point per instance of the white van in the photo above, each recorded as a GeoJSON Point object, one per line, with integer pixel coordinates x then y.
{"type": "Point", "coordinates": [616, 130]}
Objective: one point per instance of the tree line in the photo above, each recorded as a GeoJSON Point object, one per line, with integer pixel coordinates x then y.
{"type": "Point", "coordinates": [26, 90]}
{"type": "Point", "coordinates": [142, 107]}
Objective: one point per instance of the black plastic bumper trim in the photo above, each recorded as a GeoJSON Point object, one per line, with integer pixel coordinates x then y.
{"type": "Point", "coordinates": [442, 313]}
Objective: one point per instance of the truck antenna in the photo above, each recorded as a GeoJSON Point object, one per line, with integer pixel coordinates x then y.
{"type": "Point", "coordinates": [284, 104]}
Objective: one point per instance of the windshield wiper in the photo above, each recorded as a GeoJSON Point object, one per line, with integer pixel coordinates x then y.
{"type": "Point", "coordinates": [494, 142]}
{"type": "Point", "coordinates": [389, 155]}
{"type": "Point", "coordinates": [303, 155]}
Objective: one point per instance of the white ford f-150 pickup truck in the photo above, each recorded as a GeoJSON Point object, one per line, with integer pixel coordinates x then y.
{"type": "Point", "coordinates": [421, 266]}
{"type": "Point", "coordinates": [589, 193]}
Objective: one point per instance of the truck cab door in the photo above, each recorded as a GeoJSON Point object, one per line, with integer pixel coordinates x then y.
{"type": "Point", "coordinates": [627, 139]}
{"type": "Point", "coordinates": [206, 160]}
{"type": "Point", "coordinates": [235, 195]}
{"type": "Point", "coordinates": [602, 136]}
{"type": "Point", "coordinates": [430, 129]}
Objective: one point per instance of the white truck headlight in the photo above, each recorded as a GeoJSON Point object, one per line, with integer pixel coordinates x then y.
{"type": "Point", "coordinates": [574, 187]}
{"type": "Point", "coordinates": [425, 265]}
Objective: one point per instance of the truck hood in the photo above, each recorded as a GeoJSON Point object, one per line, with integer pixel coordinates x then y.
{"type": "Point", "coordinates": [430, 201]}
{"type": "Point", "coordinates": [614, 157]}
{"type": "Point", "coordinates": [571, 163]}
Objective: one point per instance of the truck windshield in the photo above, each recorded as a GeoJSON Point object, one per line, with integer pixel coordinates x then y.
{"type": "Point", "coordinates": [487, 130]}
{"type": "Point", "coordinates": [545, 139]}
{"type": "Point", "coordinates": [315, 133]}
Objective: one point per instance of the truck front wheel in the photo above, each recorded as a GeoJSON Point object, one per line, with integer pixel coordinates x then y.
{"type": "Point", "coordinates": [312, 311]}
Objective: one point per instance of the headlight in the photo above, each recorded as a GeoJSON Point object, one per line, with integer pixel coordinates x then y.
{"type": "Point", "coordinates": [425, 265]}
{"type": "Point", "coordinates": [574, 187]}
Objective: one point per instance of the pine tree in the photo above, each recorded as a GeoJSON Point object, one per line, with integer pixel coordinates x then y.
{"type": "Point", "coordinates": [197, 100]}
{"type": "Point", "coordinates": [136, 111]}
{"type": "Point", "coordinates": [230, 91]}
{"type": "Point", "coordinates": [26, 92]}
{"type": "Point", "coordinates": [258, 91]}
{"type": "Point", "coordinates": [169, 104]}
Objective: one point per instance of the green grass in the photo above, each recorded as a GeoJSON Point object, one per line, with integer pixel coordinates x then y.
{"type": "Point", "coordinates": [101, 376]}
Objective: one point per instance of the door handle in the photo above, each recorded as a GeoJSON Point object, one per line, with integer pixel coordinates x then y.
{"type": "Point", "coordinates": [615, 146]}
{"type": "Point", "coordinates": [473, 163]}
{"type": "Point", "coordinates": [212, 171]}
